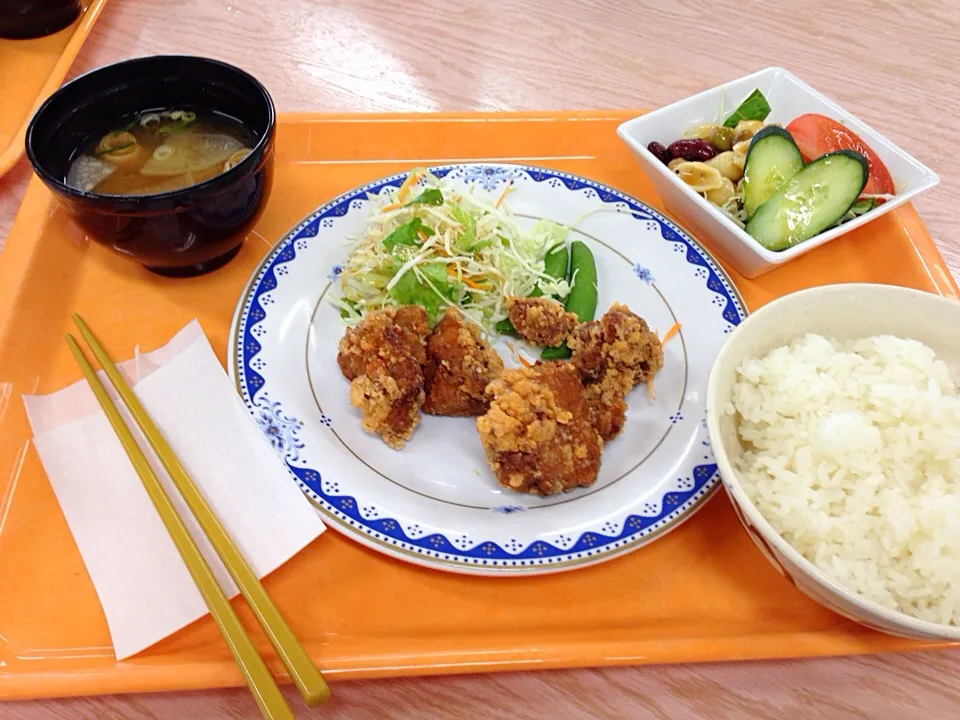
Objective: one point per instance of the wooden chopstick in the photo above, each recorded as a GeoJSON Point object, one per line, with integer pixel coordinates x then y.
{"type": "Point", "coordinates": [302, 671]}
{"type": "Point", "coordinates": [264, 688]}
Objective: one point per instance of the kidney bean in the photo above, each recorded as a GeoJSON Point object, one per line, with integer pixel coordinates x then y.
{"type": "Point", "coordinates": [692, 149]}
{"type": "Point", "coordinates": [660, 152]}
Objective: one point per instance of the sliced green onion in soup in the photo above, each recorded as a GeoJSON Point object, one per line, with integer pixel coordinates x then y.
{"type": "Point", "coordinates": [150, 120]}
{"type": "Point", "coordinates": [181, 119]}
{"type": "Point", "coordinates": [119, 146]}
{"type": "Point", "coordinates": [117, 151]}
{"type": "Point", "coordinates": [164, 153]}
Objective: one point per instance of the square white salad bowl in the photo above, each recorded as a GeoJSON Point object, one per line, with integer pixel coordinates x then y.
{"type": "Point", "coordinates": [789, 97]}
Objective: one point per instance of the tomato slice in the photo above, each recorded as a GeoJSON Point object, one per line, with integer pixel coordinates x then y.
{"type": "Point", "coordinates": [817, 135]}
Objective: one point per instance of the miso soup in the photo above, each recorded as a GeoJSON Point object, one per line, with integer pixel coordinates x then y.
{"type": "Point", "coordinates": [158, 152]}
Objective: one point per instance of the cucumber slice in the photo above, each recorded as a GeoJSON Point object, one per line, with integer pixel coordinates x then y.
{"type": "Point", "coordinates": [811, 201]}
{"type": "Point", "coordinates": [772, 159]}
{"type": "Point", "coordinates": [859, 208]}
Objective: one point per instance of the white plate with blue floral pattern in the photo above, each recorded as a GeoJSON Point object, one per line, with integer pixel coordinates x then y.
{"type": "Point", "coordinates": [436, 502]}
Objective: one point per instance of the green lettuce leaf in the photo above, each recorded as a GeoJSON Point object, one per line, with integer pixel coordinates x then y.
{"type": "Point", "coordinates": [430, 196]}
{"type": "Point", "coordinates": [410, 290]}
{"type": "Point", "coordinates": [406, 234]}
{"type": "Point", "coordinates": [467, 242]}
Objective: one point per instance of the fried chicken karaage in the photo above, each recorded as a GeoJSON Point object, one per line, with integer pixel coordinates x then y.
{"type": "Point", "coordinates": [383, 358]}
{"type": "Point", "coordinates": [537, 434]}
{"type": "Point", "coordinates": [405, 326]}
{"type": "Point", "coordinates": [612, 356]}
{"type": "Point", "coordinates": [541, 320]}
{"type": "Point", "coordinates": [390, 395]}
{"type": "Point", "coordinates": [459, 366]}
{"type": "Point", "coordinates": [607, 409]}
{"type": "Point", "coordinates": [619, 349]}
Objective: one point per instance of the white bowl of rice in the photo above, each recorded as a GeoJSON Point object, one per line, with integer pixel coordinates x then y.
{"type": "Point", "coordinates": [834, 415]}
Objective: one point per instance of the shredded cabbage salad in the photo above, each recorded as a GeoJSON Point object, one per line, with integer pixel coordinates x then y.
{"type": "Point", "coordinates": [733, 207]}
{"type": "Point", "coordinates": [429, 243]}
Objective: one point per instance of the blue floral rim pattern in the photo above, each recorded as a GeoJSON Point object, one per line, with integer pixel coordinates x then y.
{"type": "Point", "coordinates": [283, 430]}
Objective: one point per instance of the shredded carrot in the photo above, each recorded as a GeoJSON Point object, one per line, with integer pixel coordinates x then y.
{"type": "Point", "coordinates": [503, 194]}
{"type": "Point", "coordinates": [423, 235]}
{"type": "Point", "coordinates": [674, 329]}
{"type": "Point", "coordinates": [517, 356]}
{"type": "Point", "coordinates": [451, 271]}
{"type": "Point", "coordinates": [407, 184]}
{"type": "Point", "coordinates": [391, 206]}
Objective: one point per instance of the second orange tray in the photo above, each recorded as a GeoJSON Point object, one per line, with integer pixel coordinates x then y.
{"type": "Point", "coordinates": [32, 69]}
{"type": "Point", "coordinates": [702, 593]}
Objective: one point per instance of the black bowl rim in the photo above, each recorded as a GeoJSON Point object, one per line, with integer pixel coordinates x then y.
{"type": "Point", "coordinates": [245, 167]}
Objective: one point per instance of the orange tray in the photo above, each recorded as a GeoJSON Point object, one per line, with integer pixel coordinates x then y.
{"type": "Point", "coordinates": [702, 593]}
{"type": "Point", "coordinates": [32, 69]}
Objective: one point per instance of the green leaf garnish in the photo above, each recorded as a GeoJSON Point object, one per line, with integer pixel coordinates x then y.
{"type": "Point", "coordinates": [430, 196]}
{"type": "Point", "coordinates": [755, 107]}
{"type": "Point", "coordinates": [436, 273]}
{"type": "Point", "coordinates": [410, 290]}
{"type": "Point", "coordinates": [407, 234]}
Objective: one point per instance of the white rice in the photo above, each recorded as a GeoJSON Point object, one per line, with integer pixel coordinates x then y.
{"type": "Point", "coordinates": [852, 453]}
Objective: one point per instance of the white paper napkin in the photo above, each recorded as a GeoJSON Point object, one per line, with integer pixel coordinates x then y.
{"type": "Point", "coordinates": [142, 583]}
